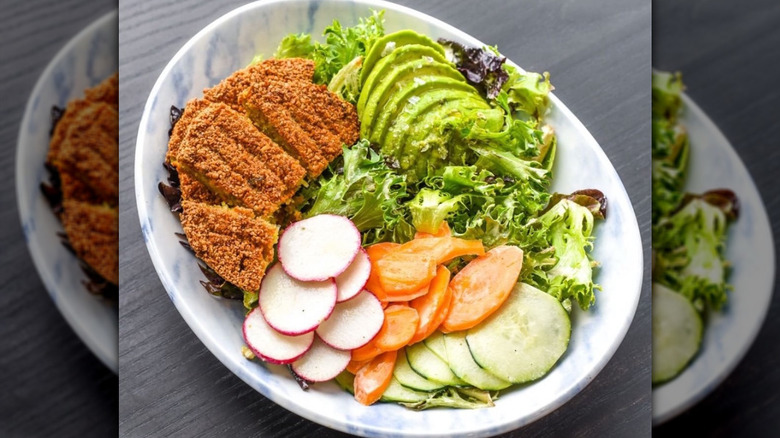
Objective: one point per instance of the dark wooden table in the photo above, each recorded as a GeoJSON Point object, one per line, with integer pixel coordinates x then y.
{"type": "Point", "coordinates": [50, 383]}
{"type": "Point", "coordinates": [599, 57]}
{"type": "Point", "coordinates": [729, 55]}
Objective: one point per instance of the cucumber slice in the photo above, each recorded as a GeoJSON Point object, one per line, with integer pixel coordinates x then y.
{"type": "Point", "coordinates": [524, 338]}
{"type": "Point", "coordinates": [396, 392]}
{"type": "Point", "coordinates": [346, 381]}
{"type": "Point", "coordinates": [677, 330]}
{"type": "Point", "coordinates": [427, 364]}
{"type": "Point", "coordinates": [435, 343]}
{"type": "Point", "coordinates": [407, 377]}
{"type": "Point", "coordinates": [463, 365]}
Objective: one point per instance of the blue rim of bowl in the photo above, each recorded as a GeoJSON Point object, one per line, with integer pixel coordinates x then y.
{"type": "Point", "coordinates": [210, 343]}
{"type": "Point", "coordinates": [25, 210]}
{"type": "Point", "coordinates": [763, 221]}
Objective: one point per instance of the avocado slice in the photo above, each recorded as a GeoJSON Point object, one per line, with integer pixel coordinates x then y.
{"type": "Point", "coordinates": [395, 39]}
{"type": "Point", "coordinates": [429, 143]}
{"type": "Point", "coordinates": [406, 119]}
{"type": "Point", "coordinates": [387, 109]}
{"type": "Point", "coordinates": [380, 77]}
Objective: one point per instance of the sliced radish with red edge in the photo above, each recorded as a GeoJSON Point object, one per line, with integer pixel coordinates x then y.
{"type": "Point", "coordinates": [351, 281]}
{"type": "Point", "coordinates": [270, 345]}
{"type": "Point", "coordinates": [293, 307]}
{"type": "Point", "coordinates": [353, 323]}
{"type": "Point", "coordinates": [322, 362]}
{"type": "Point", "coordinates": [319, 247]}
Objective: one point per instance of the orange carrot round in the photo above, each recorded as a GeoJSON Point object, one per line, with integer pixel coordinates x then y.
{"type": "Point", "coordinates": [481, 287]}
{"type": "Point", "coordinates": [432, 308]}
{"type": "Point", "coordinates": [399, 327]}
{"type": "Point", "coordinates": [354, 366]}
{"type": "Point", "coordinates": [374, 377]}
{"type": "Point", "coordinates": [403, 273]}
{"type": "Point", "coordinates": [366, 352]}
{"type": "Point", "coordinates": [376, 252]}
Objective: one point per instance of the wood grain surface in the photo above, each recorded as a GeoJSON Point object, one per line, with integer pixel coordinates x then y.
{"type": "Point", "coordinates": [50, 383]}
{"type": "Point", "coordinates": [598, 53]}
{"type": "Point", "coordinates": [729, 55]}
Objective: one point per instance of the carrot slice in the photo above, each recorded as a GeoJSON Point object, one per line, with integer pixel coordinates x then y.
{"type": "Point", "coordinates": [482, 286]}
{"type": "Point", "coordinates": [399, 327]}
{"type": "Point", "coordinates": [442, 249]}
{"type": "Point", "coordinates": [402, 272]}
{"type": "Point", "coordinates": [354, 366]}
{"type": "Point", "coordinates": [373, 378]}
{"type": "Point", "coordinates": [444, 230]}
{"type": "Point", "coordinates": [376, 252]}
{"type": "Point", "coordinates": [366, 352]}
{"type": "Point", "coordinates": [432, 308]}
{"type": "Point", "coordinates": [395, 298]}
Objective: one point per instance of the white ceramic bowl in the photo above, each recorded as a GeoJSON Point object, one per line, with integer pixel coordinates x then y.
{"type": "Point", "coordinates": [230, 43]}
{"type": "Point", "coordinates": [750, 248]}
{"type": "Point", "coordinates": [83, 62]}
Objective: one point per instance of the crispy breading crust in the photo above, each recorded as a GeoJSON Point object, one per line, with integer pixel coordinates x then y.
{"type": "Point", "coordinates": [237, 245]}
{"type": "Point", "coordinates": [90, 152]}
{"type": "Point", "coordinates": [309, 121]}
{"type": "Point", "coordinates": [106, 91]}
{"type": "Point", "coordinates": [93, 232]}
{"type": "Point", "coordinates": [194, 190]}
{"type": "Point", "coordinates": [190, 110]}
{"type": "Point", "coordinates": [224, 152]}
{"type": "Point", "coordinates": [84, 151]}
{"type": "Point", "coordinates": [228, 90]}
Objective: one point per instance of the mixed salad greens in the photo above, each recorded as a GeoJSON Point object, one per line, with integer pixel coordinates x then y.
{"type": "Point", "coordinates": [689, 237]}
{"type": "Point", "coordinates": [491, 181]}
{"type": "Point", "coordinates": [450, 135]}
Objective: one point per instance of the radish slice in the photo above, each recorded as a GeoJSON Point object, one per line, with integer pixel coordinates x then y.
{"type": "Point", "coordinates": [353, 323]}
{"type": "Point", "coordinates": [294, 307]}
{"type": "Point", "coordinates": [351, 281]}
{"type": "Point", "coordinates": [319, 247]}
{"type": "Point", "coordinates": [322, 362]}
{"type": "Point", "coordinates": [270, 345]}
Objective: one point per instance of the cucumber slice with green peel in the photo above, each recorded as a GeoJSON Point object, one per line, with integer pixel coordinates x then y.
{"type": "Point", "coordinates": [385, 45]}
{"type": "Point", "coordinates": [407, 92]}
{"type": "Point", "coordinates": [677, 332]}
{"type": "Point", "coordinates": [381, 77]}
{"type": "Point", "coordinates": [524, 338]}
{"type": "Point", "coordinates": [346, 381]}
{"type": "Point", "coordinates": [409, 378]}
{"type": "Point", "coordinates": [435, 343]}
{"type": "Point", "coordinates": [427, 364]}
{"type": "Point", "coordinates": [463, 365]}
{"type": "Point", "coordinates": [396, 392]}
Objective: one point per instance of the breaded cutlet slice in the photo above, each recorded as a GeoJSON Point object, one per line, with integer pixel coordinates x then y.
{"type": "Point", "coordinates": [309, 121]}
{"type": "Point", "coordinates": [232, 241]}
{"type": "Point", "coordinates": [89, 151]}
{"type": "Point", "coordinates": [106, 91]}
{"type": "Point", "coordinates": [70, 116]}
{"type": "Point", "coordinates": [286, 69]}
{"type": "Point", "coordinates": [224, 152]}
{"type": "Point", "coordinates": [194, 190]}
{"type": "Point", "coordinates": [190, 110]}
{"type": "Point", "coordinates": [93, 232]}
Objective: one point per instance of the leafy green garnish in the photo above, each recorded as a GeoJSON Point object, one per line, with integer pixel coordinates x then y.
{"type": "Point", "coordinates": [342, 45]}
{"type": "Point", "coordinates": [689, 253]}
{"type": "Point", "coordinates": [567, 227]}
{"type": "Point", "coordinates": [362, 187]}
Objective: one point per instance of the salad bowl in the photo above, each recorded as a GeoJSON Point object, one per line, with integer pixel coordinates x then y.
{"type": "Point", "coordinates": [728, 333]}
{"type": "Point", "coordinates": [230, 43]}
{"type": "Point", "coordinates": [85, 61]}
